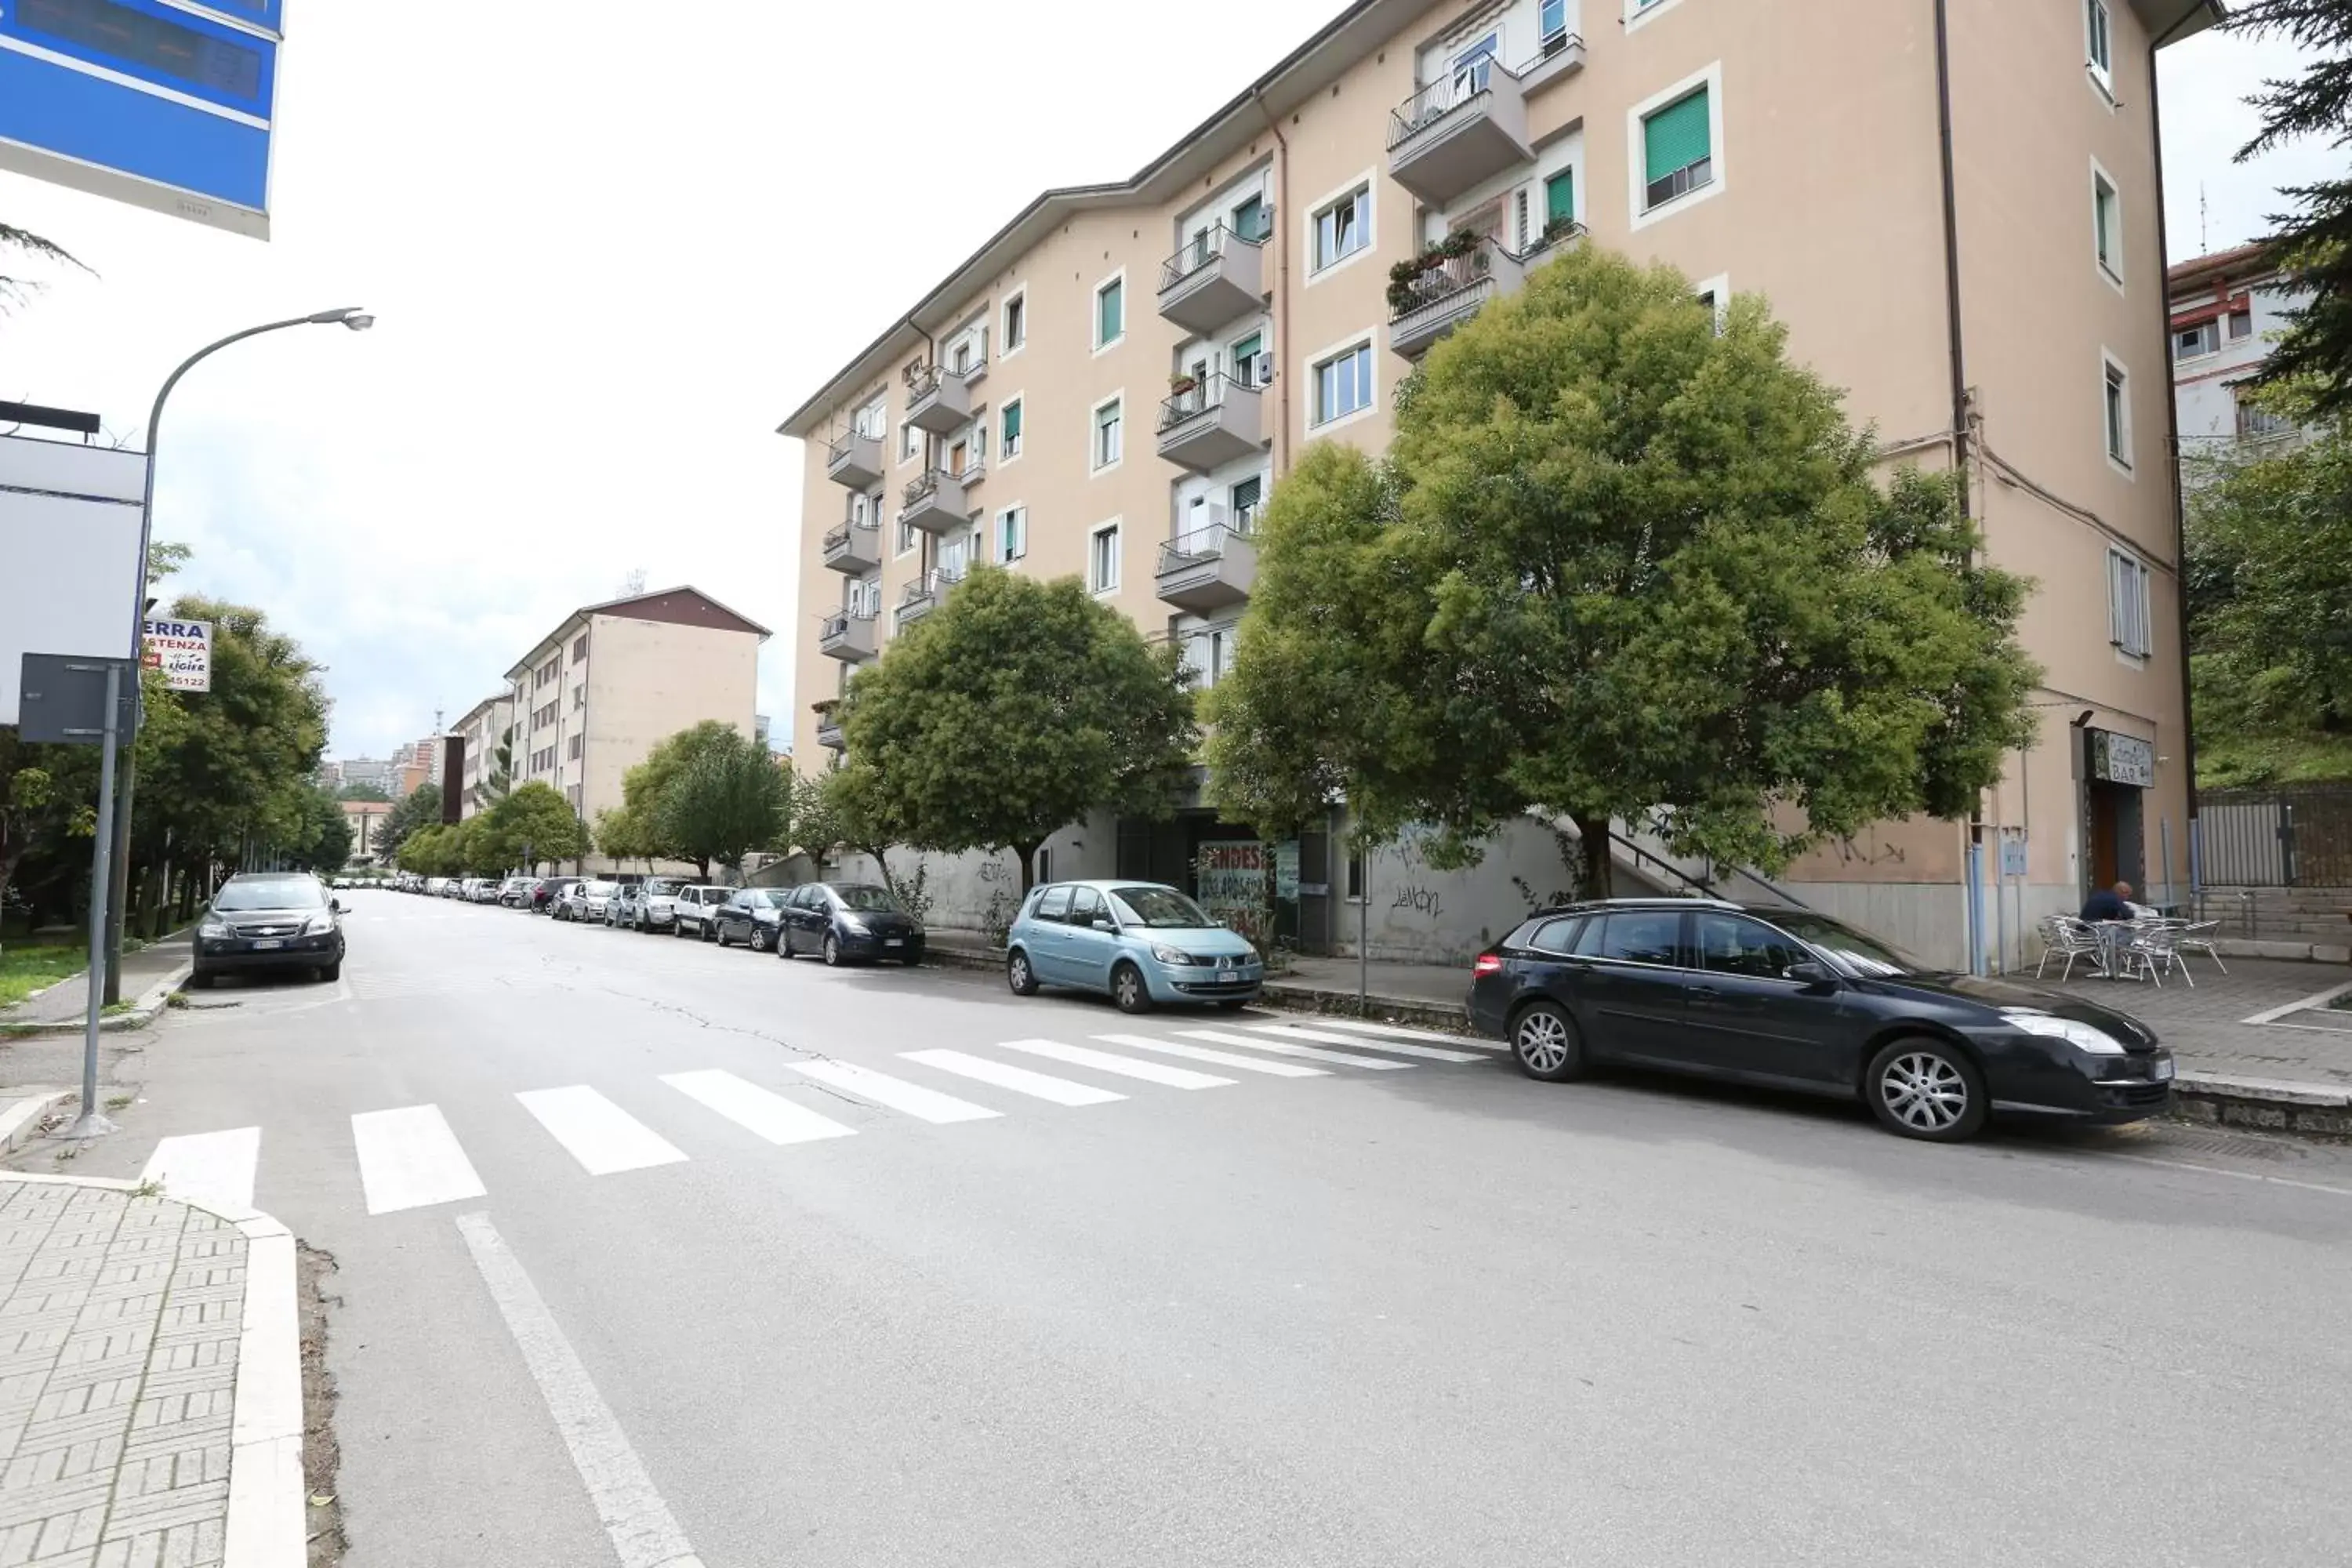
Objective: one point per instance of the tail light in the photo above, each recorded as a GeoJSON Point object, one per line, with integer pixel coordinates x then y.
{"type": "Point", "coordinates": [1487, 964]}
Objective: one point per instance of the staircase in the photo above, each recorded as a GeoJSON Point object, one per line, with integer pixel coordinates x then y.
{"type": "Point", "coordinates": [2316, 915]}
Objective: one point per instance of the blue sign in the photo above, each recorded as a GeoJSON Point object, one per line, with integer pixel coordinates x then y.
{"type": "Point", "coordinates": [165, 103]}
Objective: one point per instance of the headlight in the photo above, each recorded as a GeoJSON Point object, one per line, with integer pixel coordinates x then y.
{"type": "Point", "coordinates": [319, 925]}
{"type": "Point", "coordinates": [213, 930]}
{"type": "Point", "coordinates": [1170, 954]}
{"type": "Point", "coordinates": [2082, 1037]}
{"type": "Point", "coordinates": [852, 922]}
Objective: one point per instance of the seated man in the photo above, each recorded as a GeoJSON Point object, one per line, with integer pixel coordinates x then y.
{"type": "Point", "coordinates": [2109, 903]}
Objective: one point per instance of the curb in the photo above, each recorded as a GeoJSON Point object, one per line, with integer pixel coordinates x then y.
{"type": "Point", "coordinates": [20, 1123]}
{"type": "Point", "coordinates": [266, 1520]}
{"type": "Point", "coordinates": [1414, 1010]}
{"type": "Point", "coordinates": [140, 1013]}
{"type": "Point", "coordinates": [2268, 1105]}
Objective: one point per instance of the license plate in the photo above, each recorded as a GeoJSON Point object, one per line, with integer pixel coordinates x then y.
{"type": "Point", "coordinates": [894, 942]}
{"type": "Point", "coordinates": [265, 944]}
{"type": "Point", "coordinates": [2163, 1071]}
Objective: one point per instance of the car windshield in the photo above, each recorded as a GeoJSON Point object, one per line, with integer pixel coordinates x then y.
{"type": "Point", "coordinates": [276, 893]}
{"type": "Point", "coordinates": [866, 900]}
{"type": "Point", "coordinates": [769, 897]}
{"type": "Point", "coordinates": [1163, 909]}
{"type": "Point", "coordinates": [660, 888]}
{"type": "Point", "coordinates": [597, 890]}
{"type": "Point", "coordinates": [1858, 954]}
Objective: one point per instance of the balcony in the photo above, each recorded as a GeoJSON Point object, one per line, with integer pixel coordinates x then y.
{"type": "Point", "coordinates": [1216, 279]}
{"type": "Point", "coordinates": [847, 635]}
{"type": "Point", "coordinates": [1211, 423]}
{"type": "Point", "coordinates": [1207, 569]}
{"type": "Point", "coordinates": [1459, 132]}
{"type": "Point", "coordinates": [828, 724]}
{"type": "Point", "coordinates": [922, 595]}
{"type": "Point", "coordinates": [855, 460]}
{"type": "Point", "coordinates": [854, 547]}
{"type": "Point", "coordinates": [1453, 289]}
{"type": "Point", "coordinates": [938, 400]}
{"type": "Point", "coordinates": [936, 502]}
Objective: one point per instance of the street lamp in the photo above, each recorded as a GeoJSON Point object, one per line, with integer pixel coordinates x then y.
{"type": "Point", "coordinates": [357, 320]}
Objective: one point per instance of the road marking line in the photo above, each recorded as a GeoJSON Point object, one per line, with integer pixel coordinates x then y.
{"type": "Point", "coordinates": [1355, 1027]}
{"type": "Point", "coordinates": [601, 1136]}
{"type": "Point", "coordinates": [410, 1160]}
{"type": "Point", "coordinates": [2240, 1175]}
{"type": "Point", "coordinates": [1325, 1036]}
{"type": "Point", "coordinates": [925, 1104]}
{"type": "Point", "coordinates": [746, 1104]}
{"type": "Point", "coordinates": [2313, 1002]}
{"type": "Point", "coordinates": [1215, 1059]}
{"type": "Point", "coordinates": [1285, 1048]}
{"type": "Point", "coordinates": [214, 1168]}
{"type": "Point", "coordinates": [1021, 1080]}
{"type": "Point", "coordinates": [643, 1532]}
{"type": "Point", "coordinates": [1126, 1067]}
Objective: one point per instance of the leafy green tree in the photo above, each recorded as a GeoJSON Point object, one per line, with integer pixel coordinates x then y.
{"type": "Point", "coordinates": [1012, 710]}
{"type": "Point", "coordinates": [534, 824]}
{"type": "Point", "coordinates": [419, 811]}
{"type": "Point", "coordinates": [363, 791]}
{"type": "Point", "coordinates": [1620, 565]}
{"type": "Point", "coordinates": [498, 773]}
{"type": "Point", "coordinates": [621, 834]}
{"type": "Point", "coordinates": [2313, 242]}
{"type": "Point", "coordinates": [816, 826]}
{"type": "Point", "coordinates": [726, 799]}
{"type": "Point", "coordinates": [48, 796]}
{"type": "Point", "coordinates": [323, 841]}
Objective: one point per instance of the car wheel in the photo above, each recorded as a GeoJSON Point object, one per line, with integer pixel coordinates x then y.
{"type": "Point", "coordinates": [722, 937]}
{"type": "Point", "coordinates": [1923, 1087]}
{"type": "Point", "coordinates": [1545, 1044]}
{"type": "Point", "coordinates": [1127, 989]}
{"type": "Point", "coordinates": [199, 981]}
{"type": "Point", "coordinates": [708, 930]}
{"type": "Point", "coordinates": [1018, 974]}
{"type": "Point", "coordinates": [832, 952]}
{"type": "Point", "coordinates": [760, 938]}
{"type": "Point", "coordinates": [678, 927]}
{"type": "Point", "coordinates": [333, 971]}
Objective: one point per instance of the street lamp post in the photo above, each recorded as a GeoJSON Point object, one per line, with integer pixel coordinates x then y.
{"type": "Point", "coordinates": [349, 316]}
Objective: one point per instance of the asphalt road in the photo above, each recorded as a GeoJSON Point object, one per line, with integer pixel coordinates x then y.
{"type": "Point", "coordinates": [1427, 1314]}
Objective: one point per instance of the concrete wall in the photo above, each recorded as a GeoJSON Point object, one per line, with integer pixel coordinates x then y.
{"type": "Point", "coordinates": [647, 680]}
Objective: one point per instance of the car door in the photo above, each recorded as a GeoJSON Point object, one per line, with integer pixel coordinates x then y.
{"type": "Point", "coordinates": [794, 930]}
{"type": "Point", "coordinates": [1044, 936]}
{"type": "Point", "coordinates": [734, 918]}
{"type": "Point", "coordinates": [1088, 953]}
{"type": "Point", "coordinates": [1747, 1016]}
{"type": "Point", "coordinates": [1629, 982]}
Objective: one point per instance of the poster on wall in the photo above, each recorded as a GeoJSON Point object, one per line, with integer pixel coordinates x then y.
{"type": "Point", "coordinates": [1230, 877]}
{"type": "Point", "coordinates": [183, 650]}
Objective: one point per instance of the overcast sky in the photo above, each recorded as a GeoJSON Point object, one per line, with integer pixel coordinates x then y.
{"type": "Point", "coordinates": [606, 259]}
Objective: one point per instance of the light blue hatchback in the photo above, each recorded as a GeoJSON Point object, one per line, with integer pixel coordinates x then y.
{"type": "Point", "coordinates": [1139, 944]}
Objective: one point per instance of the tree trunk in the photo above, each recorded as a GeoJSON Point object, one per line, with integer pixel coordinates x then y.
{"type": "Point", "coordinates": [1027, 855]}
{"type": "Point", "coordinates": [1592, 836]}
{"type": "Point", "coordinates": [701, 868]}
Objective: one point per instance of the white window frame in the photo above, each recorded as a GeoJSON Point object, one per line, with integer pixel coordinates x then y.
{"type": "Point", "coordinates": [1017, 509]}
{"type": "Point", "coordinates": [1094, 535]}
{"type": "Point", "coordinates": [1094, 466]}
{"type": "Point", "coordinates": [873, 417]}
{"type": "Point", "coordinates": [2111, 266]}
{"type": "Point", "coordinates": [910, 443]}
{"type": "Point", "coordinates": [1637, 181]}
{"type": "Point", "coordinates": [907, 540]}
{"type": "Point", "coordinates": [1366, 184]}
{"type": "Point", "coordinates": [2230, 333]}
{"type": "Point", "coordinates": [2130, 607]}
{"type": "Point", "coordinates": [1717, 288]}
{"type": "Point", "coordinates": [1640, 14]}
{"type": "Point", "coordinates": [1005, 460]}
{"type": "Point", "coordinates": [2214, 328]}
{"type": "Point", "coordinates": [1315, 363]}
{"type": "Point", "coordinates": [1093, 311]}
{"type": "Point", "coordinates": [2111, 367]}
{"type": "Point", "coordinates": [2102, 73]}
{"type": "Point", "coordinates": [1007, 347]}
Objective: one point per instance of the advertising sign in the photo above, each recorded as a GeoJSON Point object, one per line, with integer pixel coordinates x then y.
{"type": "Point", "coordinates": [68, 552]}
{"type": "Point", "coordinates": [2122, 759]}
{"type": "Point", "coordinates": [183, 650]}
{"type": "Point", "coordinates": [1231, 876]}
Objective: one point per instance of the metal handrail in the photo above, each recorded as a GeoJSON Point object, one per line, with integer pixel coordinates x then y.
{"type": "Point", "coordinates": [1199, 251]}
{"type": "Point", "coordinates": [923, 486]}
{"type": "Point", "coordinates": [1443, 97]}
{"type": "Point", "coordinates": [1206, 393]}
{"type": "Point", "coordinates": [1555, 43]}
{"type": "Point", "coordinates": [837, 537]}
{"type": "Point", "coordinates": [1201, 544]}
{"type": "Point", "coordinates": [1446, 277]}
{"type": "Point", "coordinates": [824, 708]}
{"type": "Point", "coordinates": [835, 451]}
{"type": "Point", "coordinates": [932, 584]}
{"type": "Point", "coordinates": [836, 624]}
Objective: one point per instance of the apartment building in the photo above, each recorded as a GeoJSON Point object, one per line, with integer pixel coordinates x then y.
{"type": "Point", "coordinates": [1954, 209]}
{"type": "Point", "coordinates": [612, 680]}
{"type": "Point", "coordinates": [485, 726]}
{"type": "Point", "coordinates": [2225, 310]}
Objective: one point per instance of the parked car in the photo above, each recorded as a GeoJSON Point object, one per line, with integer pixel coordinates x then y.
{"type": "Point", "coordinates": [263, 922]}
{"type": "Point", "coordinates": [549, 892]}
{"type": "Point", "coordinates": [1141, 943]}
{"type": "Point", "coordinates": [436, 886]}
{"type": "Point", "coordinates": [1787, 998]}
{"type": "Point", "coordinates": [751, 916]}
{"type": "Point", "coordinates": [514, 893]}
{"type": "Point", "coordinates": [649, 905]}
{"type": "Point", "coordinates": [845, 922]}
{"type": "Point", "coordinates": [586, 899]}
{"type": "Point", "coordinates": [693, 907]}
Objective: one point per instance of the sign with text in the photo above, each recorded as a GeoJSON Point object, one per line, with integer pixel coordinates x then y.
{"type": "Point", "coordinates": [1230, 875]}
{"type": "Point", "coordinates": [183, 650]}
{"type": "Point", "coordinates": [2122, 759]}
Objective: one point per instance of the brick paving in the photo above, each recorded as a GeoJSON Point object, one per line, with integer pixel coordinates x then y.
{"type": "Point", "coordinates": [118, 1327]}
{"type": "Point", "coordinates": [2205, 1026]}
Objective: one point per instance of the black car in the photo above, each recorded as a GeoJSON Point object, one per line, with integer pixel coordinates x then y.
{"type": "Point", "coordinates": [263, 922]}
{"type": "Point", "coordinates": [548, 893]}
{"type": "Point", "coordinates": [846, 921]}
{"type": "Point", "coordinates": [1792, 999]}
{"type": "Point", "coordinates": [751, 916]}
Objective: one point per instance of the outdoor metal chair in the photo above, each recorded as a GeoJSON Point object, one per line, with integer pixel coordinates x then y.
{"type": "Point", "coordinates": [2199, 938]}
{"type": "Point", "coordinates": [2154, 948]}
{"type": "Point", "coordinates": [2063, 936]}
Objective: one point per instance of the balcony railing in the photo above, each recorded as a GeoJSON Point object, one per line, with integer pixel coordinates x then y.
{"type": "Point", "coordinates": [1217, 278]}
{"type": "Point", "coordinates": [1460, 86]}
{"type": "Point", "coordinates": [853, 547]}
{"type": "Point", "coordinates": [855, 460]}
{"type": "Point", "coordinates": [1201, 544]}
{"type": "Point", "coordinates": [1207, 568]}
{"type": "Point", "coordinates": [1450, 290]}
{"type": "Point", "coordinates": [828, 723]}
{"type": "Point", "coordinates": [1214, 421]}
{"type": "Point", "coordinates": [922, 595]}
{"type": "Point", "coordinates": [1459, 131]}
{"type": "Point", "coordinates": [845, 634]}
{"type": "Point", "coordinates": [939, 400]}
{"type": "Point", "coordinates": [935, 502]}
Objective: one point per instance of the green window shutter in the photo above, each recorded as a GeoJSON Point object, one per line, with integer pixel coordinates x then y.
{"type": "Point", "coordinates": [1676, 135]}
{"type": "Point", "coordinates": [1011, 423]}
{"type": "Point", "coordinates": [1559, 196]}
{"type": "Point", "coordinates": [1108, 305]}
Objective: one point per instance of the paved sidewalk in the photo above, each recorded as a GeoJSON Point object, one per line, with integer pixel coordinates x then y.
{"type": "Point", "coordinates": [66, 1001]}
{"type": "Point", "coordinates": [146, 1403]}
{"type": "Point", "coordinates": [2205, 1022]}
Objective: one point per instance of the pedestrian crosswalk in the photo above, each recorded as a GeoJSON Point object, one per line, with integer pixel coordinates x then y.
{"type": "Point", "coordinates": [409, 1157]}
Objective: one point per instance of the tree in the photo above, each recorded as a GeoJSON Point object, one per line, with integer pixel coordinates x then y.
{"type": "Point", "coordinates": [1620, 566]}
{"type": "Point", "coordinates": [498, 774]}
{"type": "Point", "coordinates": [2313, 242]}
{"type": "Point", "coordinates": [816, 828]}
{"type": "Point", "coordinates": [323, 842]}
{"type": "Point", "coordinates": [48, 796]}
{"type": "Point", "coordinates": [621, 836]}
{"type": "Point", "coordinates": [14, 290]}
{"type": "Point", "coordinates": [1012, 710]}
{"type": "Point", "coordinates": [534, 824]}
{"type": "Point", "coordinates": [363, 791]}
{"type": "Point", "coordinates": [419, 811]}
{"type": "Point", "coordinates": [725, 798]}
{"type": "Point", "coordinates": [428, 851]}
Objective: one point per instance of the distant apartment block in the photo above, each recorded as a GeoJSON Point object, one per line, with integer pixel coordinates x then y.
{"type": "Point", "coordinates": [487, 726]}
{"type": "Point", "coordinates": [2225, 310]}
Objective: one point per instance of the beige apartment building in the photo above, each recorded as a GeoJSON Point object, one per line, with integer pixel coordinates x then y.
{"type": "Point", "coordinates": [484, 726]}
{"type": "Point", "coordinates": [612, 680]}
{"type": "Point", "coordinates": [1955, 208]}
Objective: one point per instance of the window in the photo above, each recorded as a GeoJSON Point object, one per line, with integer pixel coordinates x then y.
{"type": "Point", "coordinates": [1733, 944]}
{"type": "Point", "coordinates": [1012, 534]}
{"type": "Point", "coordinates": [1009, 446]}
{"type": "Point", "coordinates": [2119, 416]}
{"type": "Point", "coordinates": [866, 597]}
{"type": "Point", "coordinates": [580, 648]}
{"type": "Point", "coordinates": [1102, 559]}
{"type": "Point", "coordinates": [1056, 904]}
{"type": "Point", "coordinates": [2188, 343]}
{"type": "Point", "coordinates": [1343, 384]}
{"type": "Point", "coordinates": [1677, 148]}
{"type": "Point", "coordinates": [1251, 220]}
{"type": "Point", "coordinates": [1714, 294]}
{"type": "Point", "coordinates": [1245, 355]}
{"type": "Point", "coordinates": [2127, 604]}
{"type": "Point", "coordinates": [980, 440]}
{"type": "Point", "coordinates": [1551, 25]}
{"type": "Point", "coordinates": [2242, 324]}
{"type": "Point", "coordinates": [910, 442]}
{"type": "Point", "coordinates": [1634, 936]}
{"type": "Point", "coordinates": [1208, 655]}
{"type": "Point", "coordinates": [2097, 43]}
{"type": "Point", "coordinates": [1109, 434]}
{"type": "Point", "coordinates": [579, 696]}
{"type": "Point", "coordinates": [1017, 324]}
{"type": "Point", "coordinates": [1245, 496]}
{"type": "Point", "coordinates": [2255, 423]}
{"type": "Point", "coordinates": [1342, 228]}
{"type": "Point", "coordinates": [1110, 312]}
{"type": "Point", "coordinates": [1559, 198]}
{"type": "Point", "coordinates": [871, 418]}
{"type": "Point", "coordinates": [576, 742]}
{"type": "Point", "coordinates": [907, 537]}
{"type": "Point", "coordinates": [960, 357]}
{"type": "Point", "coordinates": [2107, 226]}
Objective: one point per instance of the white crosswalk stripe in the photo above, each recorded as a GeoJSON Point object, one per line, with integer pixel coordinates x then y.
{"type": "Point", "coordinates": [1398, 1031]}
{"type": "Point", "coordinates": [924, 1104]}
{"type": "Point", "coordinates": [601, 1135]}
{"type": "Point", "coordinates": [410, 1160]}
{"type": "Point", "coordinates": [1021, 1080]}
{"type": "Point", "coordinates": [1286, 1049]}
{"type": "Point", "coordinates": [771, 1115]}
{"type": "Point", "coordinates": [214, 1168]}
{"type": "Point", "coordinates": [1325, 1036]}
{"type": "Point", "coordinates": [1123, 1067]}
{"type": "Point", "coordinates": [1214, 1057]}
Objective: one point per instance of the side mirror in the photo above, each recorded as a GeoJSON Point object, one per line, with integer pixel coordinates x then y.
{"type": "Point", "coordinates": [1808, 972]}
{"type": "Point", "coordinates": [1104, 923]}
{"type": "Point", "coordinates": [336, 905]}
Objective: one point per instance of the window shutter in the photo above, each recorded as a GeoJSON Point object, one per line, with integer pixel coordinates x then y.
{"type": "Point", "coordinates": [1677, 136]}
{"type": "Point", "coordinates": [1106, 310]}
{"type": "Point", "coordinates": [1559, 191]}
{"type": "Point", "coordinates": [1520, 217]}
{"type": "Point", "coordinates": [1011, 423]}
